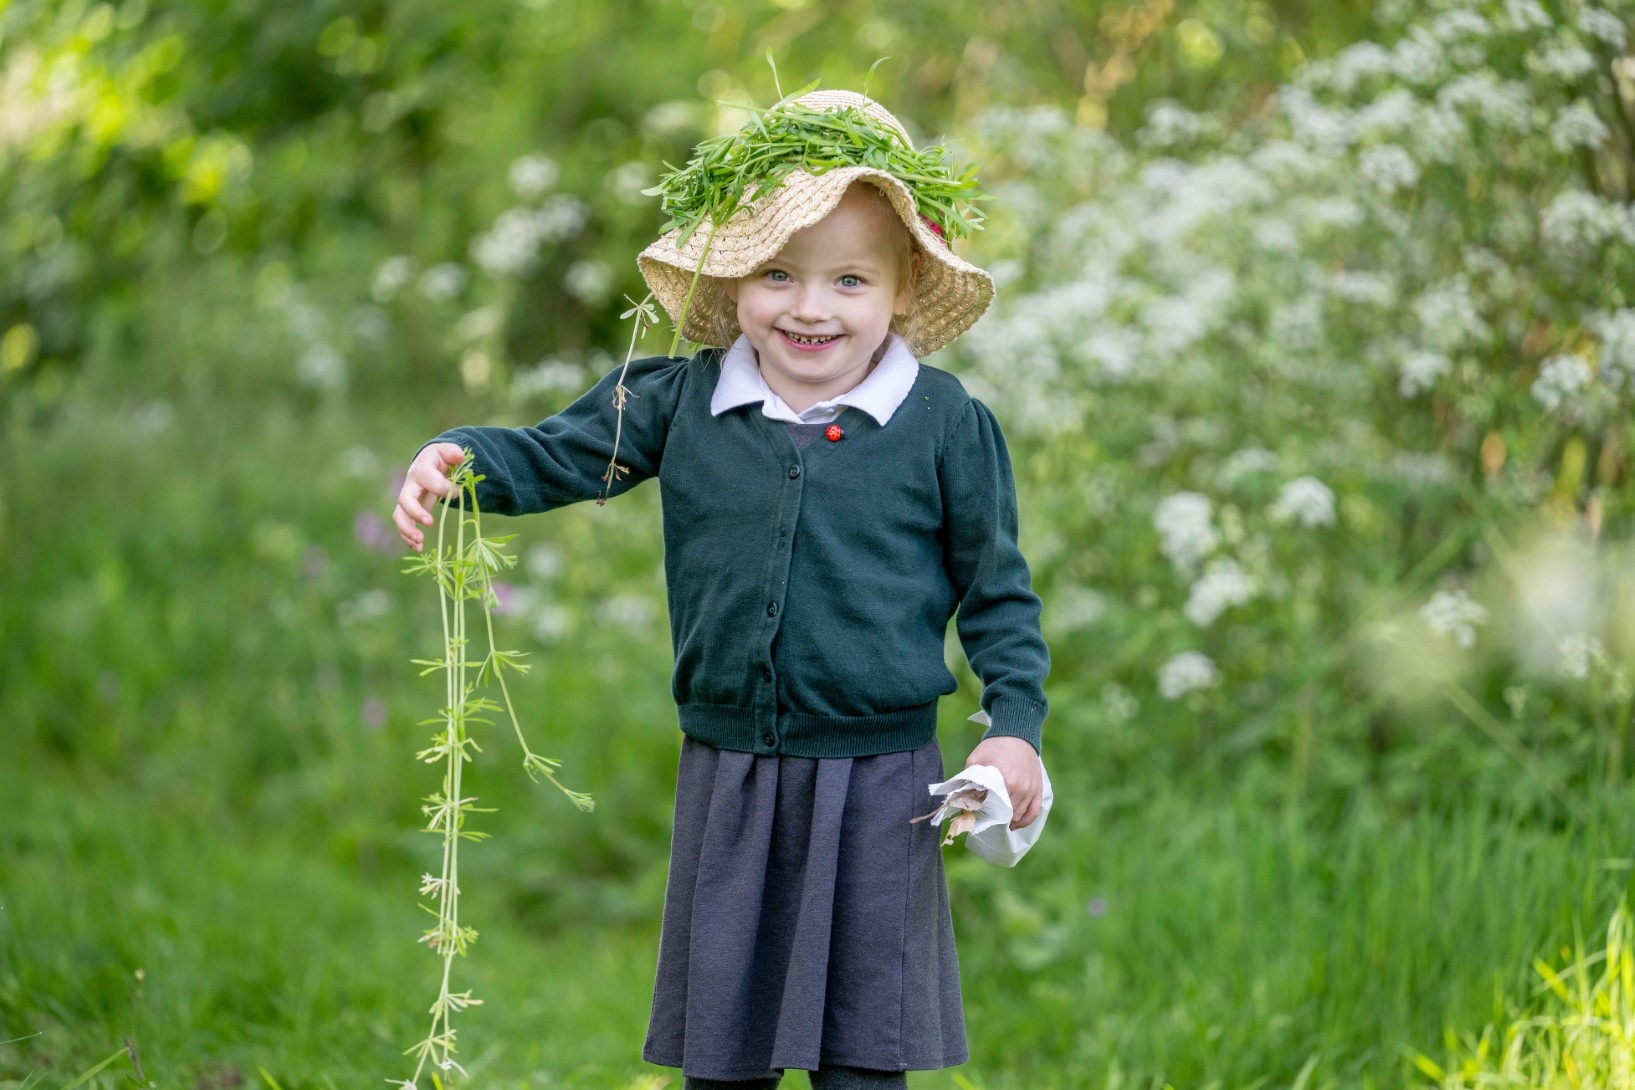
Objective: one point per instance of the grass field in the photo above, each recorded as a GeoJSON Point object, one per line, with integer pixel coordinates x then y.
{"type": "Point", "coordinates": [1165, 940]}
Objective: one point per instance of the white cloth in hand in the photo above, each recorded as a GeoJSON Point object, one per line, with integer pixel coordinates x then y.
{"type": "Point", "coordinates": [991, 836]}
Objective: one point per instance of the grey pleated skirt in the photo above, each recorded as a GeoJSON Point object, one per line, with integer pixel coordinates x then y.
{"type": "Point", "coordinates": [806, 921]}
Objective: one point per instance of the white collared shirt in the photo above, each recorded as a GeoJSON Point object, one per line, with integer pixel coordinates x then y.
{"type": "Point", "coordinates": [879, 394]}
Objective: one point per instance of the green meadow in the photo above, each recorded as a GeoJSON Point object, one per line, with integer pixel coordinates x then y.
{"type": "Point", "coordinates": [1315, 351]}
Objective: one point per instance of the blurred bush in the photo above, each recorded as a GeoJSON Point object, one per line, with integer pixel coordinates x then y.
{"type": "Point", "coordinates": [1324, 415]}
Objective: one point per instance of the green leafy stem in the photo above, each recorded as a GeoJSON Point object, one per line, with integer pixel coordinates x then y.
{"type": "Point", "coordinates": [464, 570]}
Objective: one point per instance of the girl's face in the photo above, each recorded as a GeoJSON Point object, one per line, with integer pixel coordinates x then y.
{"type": "Point", "coordinates": [819, 311]}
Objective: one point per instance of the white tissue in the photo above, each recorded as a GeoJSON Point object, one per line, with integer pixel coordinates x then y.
{"type": "Point", "coordinates": [991, 837]}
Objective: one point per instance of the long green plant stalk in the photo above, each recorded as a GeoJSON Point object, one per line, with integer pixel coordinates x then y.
{"type": "Point", "coordinates": [464, 571]}
{"type": "Point", "coordinates": [643, 314]}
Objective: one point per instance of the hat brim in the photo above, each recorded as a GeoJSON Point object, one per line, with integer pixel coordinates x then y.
{"type": "Point", "coordinates": [948, 294]}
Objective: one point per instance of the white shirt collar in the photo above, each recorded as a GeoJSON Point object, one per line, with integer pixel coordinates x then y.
{"type": "Point", "coordinates": [879, 394]}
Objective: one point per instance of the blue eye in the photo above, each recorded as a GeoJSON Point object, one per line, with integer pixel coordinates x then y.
{"type": "Point", "coordinates": [777, 276]}
{"type": "Point", "coordinates": [851, 281]}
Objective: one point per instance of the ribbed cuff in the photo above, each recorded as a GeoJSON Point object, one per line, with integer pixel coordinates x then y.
{"type": "Point", "coordinates": [1011, 718]}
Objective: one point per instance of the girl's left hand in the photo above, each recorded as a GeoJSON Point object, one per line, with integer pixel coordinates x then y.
{"type": "Point", "coordinates": [1019, 764]}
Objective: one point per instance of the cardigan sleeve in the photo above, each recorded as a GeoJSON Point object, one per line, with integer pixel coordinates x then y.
{"type": "Point", "coordinates": [998, 621]}
{"type": "Point", "coordinates": [563, 458]}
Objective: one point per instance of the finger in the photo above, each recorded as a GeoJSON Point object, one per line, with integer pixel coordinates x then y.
{"type": "Point", "coordinates": [406, 529]}
{"type": "Point", "coordinates": [409, 502]}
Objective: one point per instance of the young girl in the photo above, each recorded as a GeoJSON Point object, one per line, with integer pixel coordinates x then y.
{"type": "Point", "coordinates": [828, 503]}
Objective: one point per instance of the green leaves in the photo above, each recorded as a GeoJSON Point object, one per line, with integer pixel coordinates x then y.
{"type": "Point", "coordinates": [729, 171]}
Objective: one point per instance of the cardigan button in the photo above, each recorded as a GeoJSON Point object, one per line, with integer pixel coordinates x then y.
{"type": "Point", "coordinates": [772, 609]}
{"type": "Point", "coordinates": [769, 739]}
{"type": "Point", "coordinates": [833, 433]}
{"type": "Point", "coordinates": [766, 673]}
{"type": "Point", "coordinates": [794, 471]}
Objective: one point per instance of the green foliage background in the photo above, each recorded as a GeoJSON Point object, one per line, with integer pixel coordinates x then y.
{"type": "Point", "coordinates": [240, 282]}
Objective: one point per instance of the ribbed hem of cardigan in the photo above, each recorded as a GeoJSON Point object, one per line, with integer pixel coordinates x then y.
{"type": "Point", "coordinates": [1022, 719]}
{"type": "Point", "coordinates": [791, 734]}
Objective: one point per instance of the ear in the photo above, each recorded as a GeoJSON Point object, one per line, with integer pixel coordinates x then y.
{"type": "Point", "coordinates": [730, 290]}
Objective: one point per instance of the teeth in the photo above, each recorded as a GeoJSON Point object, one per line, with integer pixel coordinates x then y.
{"type": "Point", "coordinates": [798, 339]}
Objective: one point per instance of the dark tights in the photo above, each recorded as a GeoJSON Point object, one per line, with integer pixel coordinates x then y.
{"type": "Point", "coordinates": [828, 1078]}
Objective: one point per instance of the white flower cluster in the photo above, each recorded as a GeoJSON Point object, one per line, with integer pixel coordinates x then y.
{"type": "Point", "coordinates": [1244, 463]}
{"type": "Point", "coordinates": [588, 281]}
{"type": "Point", "coordinates": [1616, 332]}
{"type": "Point", "coordinates": [1448, 317]}
{"type": "Point", "coordinates": [443, 281]}
{"type": "Point", "coordinates": [1305, 500]}
{"type": "Point", "coordinates": [1525, 15]}
{"type": "Point", "coordinates": [1421, 370]}
{"type": "Point", "coordinates": [1169, 124]}
{"type": "Point", "coordinates": [1185, 673]}
{"type": "Point", "coordinates": [1579, 220]}
{"type": "Point", "coordinates": [1578, 126]}
{"type": "Point", "coordinates": [511, 246]}
{"type": "Point", "coordinates": [1603, 25]}
{"type": "Point", "coordinates": [1074, 608]}
{"type": "Point", "coordinates": [1222, 586]}
{"type": "Point", "coordinates": [549, 376]}
{"type": "Point", "coordinates": [1563, 59]}
{"type": "Point", "coordinates": [1579, 655]}
{"type": "Point", "coordinates": [390, 277]}
{"type": "Point", "coordinates": [1560, 380]}
{"type": "Point", "coordinates": [1389, 167]}
{"type": "Point", "coordinates": [532, 175]}
{"type": "Point", "coordinates": [1454, 614]}
{"type": "Point", "coordinates": [1186, 534]}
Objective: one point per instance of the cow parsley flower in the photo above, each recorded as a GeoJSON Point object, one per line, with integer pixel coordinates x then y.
{"type": "Point", "coordinates": [1169, 123]}
{"type": "Point", "coordinates": [1421, 370]}
{"type": "Point", "coordinates": [1305, 500]}
{"type": "Point", "coordinates": [1185, 532]}
{"type": "Point", "coordinates": [1563, 59]}
{"type": "Point", "coordinates": [1418, 59]}
{"type": "Point", "coordinates": [1525, 15]}
{"type": "Point", "coordinates": [1560, 379]}
{"type": "Point", "coordinates": [1118, 703]}
{"type": "Point", "coordinates": [1185, 673]}
{"type": "Point", "coordinates": [1389, 167]}
{"type": "Point", "coordinates": [1244, 463]}
{"type": "Point", "coordinates": [1617, 335]}
{"type": "Point", "coordinates": [1604, 25]}
{"type": "Point", "coordinates": [531, 175]}
{"type": "Point", "coordinates": [1577, 219]}
{"type": "Point", "coordinates": [1579, 655]}
{"type": "Point", "coordinates": [1455, 615]}
{"type": "Point", "coordinates": [443, 282]}
{"type": "Point", "coordinates": [1357, 64]}
{"type": "Point", "coordinates": [1447, 314]}
{"type": "Point", "coordinates": [588, 281]}
{"type": "Point", "coordinates": [1072, 609]}
{"type": "Point", "coordinates": [390, 276]}
{"type": "Point", "coordinates": [1222, 586]}
{"type": "Point", "coordinates": [1578, 126]}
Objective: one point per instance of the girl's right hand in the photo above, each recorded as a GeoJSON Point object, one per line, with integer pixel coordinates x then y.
{"type": "Point", "coordinates": [427, 476]}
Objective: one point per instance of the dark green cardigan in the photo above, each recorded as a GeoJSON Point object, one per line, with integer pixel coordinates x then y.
{"type": "Point", "coordinates": [809, 591]}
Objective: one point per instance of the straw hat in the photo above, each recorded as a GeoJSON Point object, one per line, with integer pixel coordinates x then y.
{"type": "Point", "coordinates": [948, 295]}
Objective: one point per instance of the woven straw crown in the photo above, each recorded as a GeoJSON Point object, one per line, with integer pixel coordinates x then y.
{"type": "Point", "coordinates": [948, 294]}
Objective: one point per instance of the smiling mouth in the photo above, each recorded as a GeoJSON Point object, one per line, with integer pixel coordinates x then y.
{"type": "Point", "coordinates": [809, 342]}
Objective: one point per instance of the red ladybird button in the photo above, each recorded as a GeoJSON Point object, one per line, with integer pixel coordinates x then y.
{"type": "Point", "coordinates": [834, 433]}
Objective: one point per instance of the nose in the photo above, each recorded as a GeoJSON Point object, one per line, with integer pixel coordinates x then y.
{"type": "Point", "coordinates": [809, 304]}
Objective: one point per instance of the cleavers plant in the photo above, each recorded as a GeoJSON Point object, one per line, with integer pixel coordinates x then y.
{"type": "Point", "coordinates": [464, 569]}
